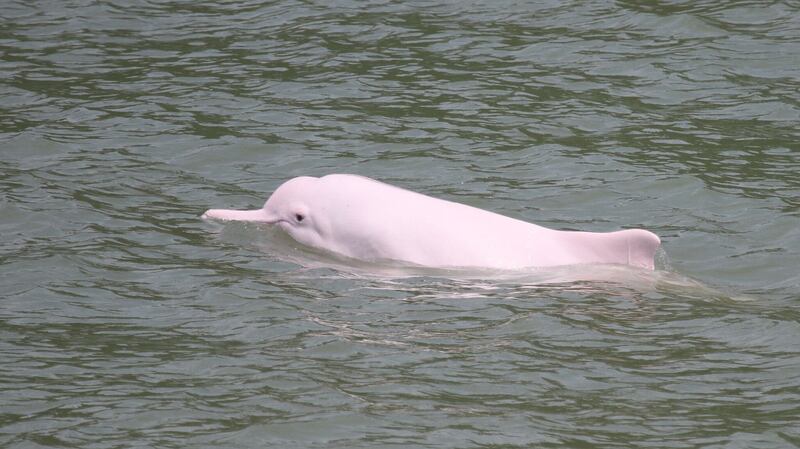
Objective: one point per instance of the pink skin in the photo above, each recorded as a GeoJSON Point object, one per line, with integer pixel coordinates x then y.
{"type": "Point", "coordinates": [368, 220]}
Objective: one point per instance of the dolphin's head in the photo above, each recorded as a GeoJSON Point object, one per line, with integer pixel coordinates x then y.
{"type": "Point", "coordinates": [294, 207]}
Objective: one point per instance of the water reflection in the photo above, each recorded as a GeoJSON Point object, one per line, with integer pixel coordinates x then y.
{"type": "Point", "coordinates": [127, 321]}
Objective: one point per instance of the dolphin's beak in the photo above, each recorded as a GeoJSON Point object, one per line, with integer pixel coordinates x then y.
{"type": "Point", "coordinates": [258, 215]}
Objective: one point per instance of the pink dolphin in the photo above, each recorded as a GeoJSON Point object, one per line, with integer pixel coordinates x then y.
{"type": "Point", "coordinates": [368, 220]}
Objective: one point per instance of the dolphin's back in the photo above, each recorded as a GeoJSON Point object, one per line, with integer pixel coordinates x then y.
{"type": "Point", "coordinates": [402, 224]}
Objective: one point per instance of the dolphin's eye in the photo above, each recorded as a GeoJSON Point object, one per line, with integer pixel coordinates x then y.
{"type": "Point", "coordinates": [299, 217]}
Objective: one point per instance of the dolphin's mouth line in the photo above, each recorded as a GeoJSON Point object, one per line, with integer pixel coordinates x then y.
{"type": "Point", "coordinates": [254, 216]}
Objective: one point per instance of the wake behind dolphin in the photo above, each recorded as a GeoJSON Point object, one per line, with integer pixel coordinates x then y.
{"type": "Point", "coordinates": [368, 220]}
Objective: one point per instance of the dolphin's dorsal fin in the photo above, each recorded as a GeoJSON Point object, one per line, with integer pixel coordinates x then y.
{"type": "Point", "coordinates": [641, 247]}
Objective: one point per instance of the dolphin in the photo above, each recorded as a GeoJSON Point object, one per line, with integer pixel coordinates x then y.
{"type": "Point", "coordinates": [369, 220]}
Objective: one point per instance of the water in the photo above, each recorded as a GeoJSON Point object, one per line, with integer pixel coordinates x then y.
{"type": "Point", "coordinates": [126, 321]}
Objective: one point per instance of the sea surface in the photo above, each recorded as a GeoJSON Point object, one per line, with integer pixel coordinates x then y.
{"type": "Point", "coordinates": [127, 321]}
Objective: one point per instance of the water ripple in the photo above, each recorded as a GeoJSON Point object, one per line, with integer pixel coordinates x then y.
{"type": "Point", "coordinates": [125, 320]}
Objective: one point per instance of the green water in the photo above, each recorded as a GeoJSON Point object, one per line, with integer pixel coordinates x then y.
{"type": "Point", "coordinates": [126, 321]}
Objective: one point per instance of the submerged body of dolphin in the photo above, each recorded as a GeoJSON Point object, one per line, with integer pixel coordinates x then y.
{"type": "Point", "coordinates": [368, 220]}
